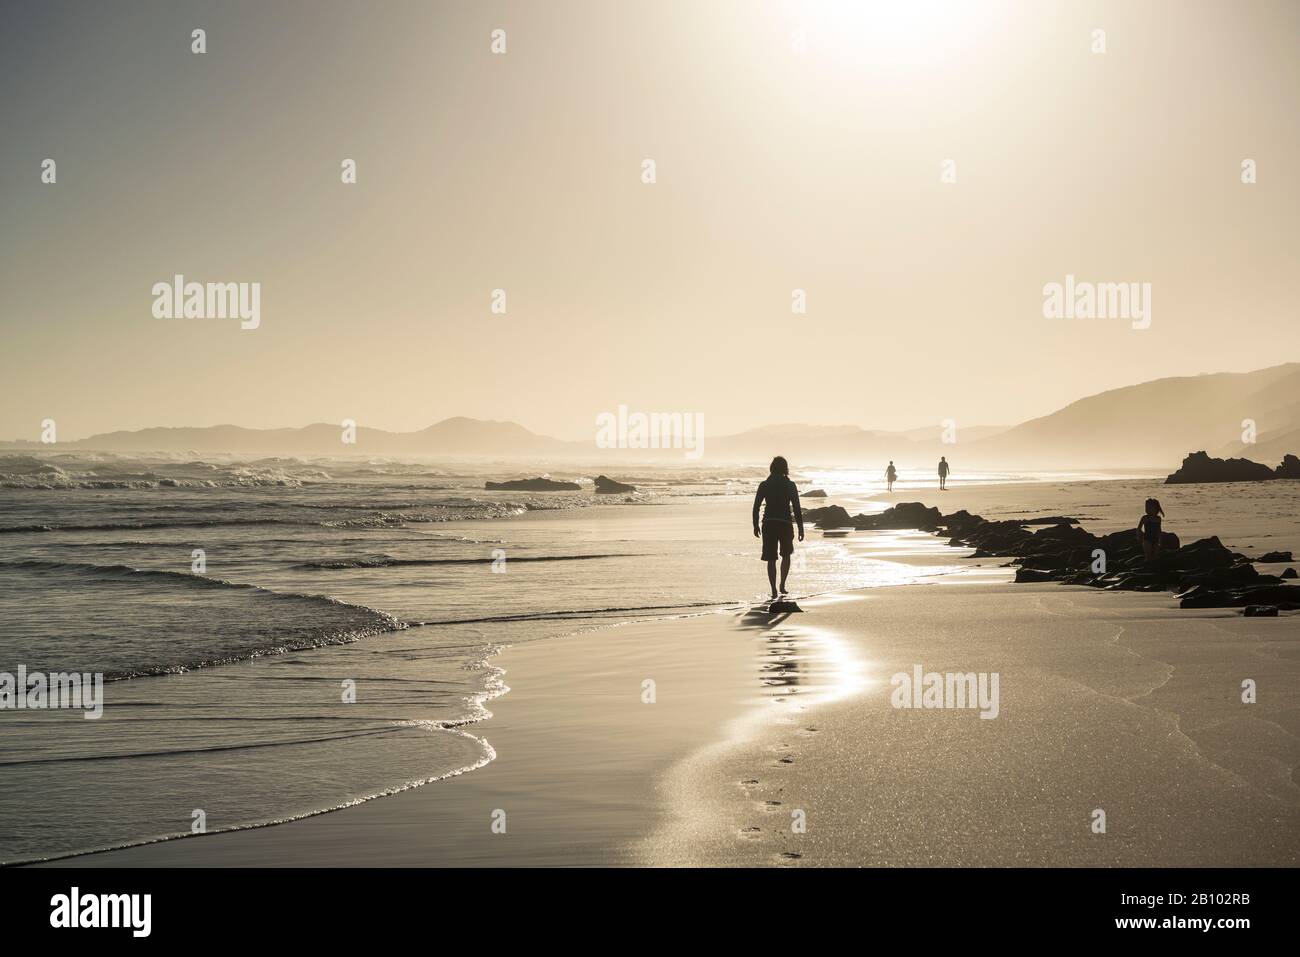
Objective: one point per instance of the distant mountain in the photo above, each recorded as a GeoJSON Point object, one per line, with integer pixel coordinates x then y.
{"type": "Point", "coordinates": [1156, 423]}
{"type": "Point", "coordinates": [453, 437]}
{"type": "Point", "coordinates": [1151, 425]}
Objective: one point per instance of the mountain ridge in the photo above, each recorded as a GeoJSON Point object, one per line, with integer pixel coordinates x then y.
{"type": "Point", "coordinates": [1147, 424]}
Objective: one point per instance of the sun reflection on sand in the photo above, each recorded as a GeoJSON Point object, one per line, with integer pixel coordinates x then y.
{"type": "Point", "coordinates": [813, 663]}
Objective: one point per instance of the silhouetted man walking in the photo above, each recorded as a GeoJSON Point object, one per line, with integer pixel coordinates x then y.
{"type": "Point", "coordinates": [777, 528]}
{"type": "Point", "coordinates": [943, 474]}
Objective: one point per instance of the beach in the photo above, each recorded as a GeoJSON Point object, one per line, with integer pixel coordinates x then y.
{"type": "Point", "coordinates": [735, 737]}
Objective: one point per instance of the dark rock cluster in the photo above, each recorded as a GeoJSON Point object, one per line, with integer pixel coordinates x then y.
{"type": "Point", "coordinates": [1199, 467]}
{"type": "Point", "coordinates": [1204, 574]}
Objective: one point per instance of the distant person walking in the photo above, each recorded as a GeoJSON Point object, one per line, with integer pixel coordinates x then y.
{"type": "Point", "coordinates": [890, 474]}
{"type": "Point", "coordinates": [779, 518]}
{"type": "Point", "coordinates": [1149, 529]}
{"type": "Point", "coordinates": [943, 474]}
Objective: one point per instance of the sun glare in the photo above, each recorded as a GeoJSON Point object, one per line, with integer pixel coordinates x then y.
{"type": "Point", "coordinates": [896, 32]}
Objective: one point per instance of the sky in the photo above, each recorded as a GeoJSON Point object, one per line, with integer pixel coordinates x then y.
{"type": "Point", "coordinates": [919, 170]}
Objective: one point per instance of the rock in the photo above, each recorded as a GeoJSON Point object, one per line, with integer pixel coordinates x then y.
{"type": "Point", "coordinates": [1270, 557]}
{"type": "Point", "coordinates": [1072, 534]}
{"type": "Point", "coordinates": [903, 515]}
{"type": "Point", "coordinates": [1199, 467]}
{"type": "Point", "coordinates": [1034, 575]}
{"type": "Point", "coordinates": [1260, 611]}
{"type": "Point", "coordinates": [1169, 542]}
{"type": "Point", "coordinates": [607, 486]}
{"type": "Point", "coordinates": [1203, 554]}
{"type": "Point", "coordinates": [1289, 469]}
{"type": "Point", "coordinates": [783, 606]}
{"type": "Point", "coordinates": [1289, 573]}
{"type": "Point", "coordinates": [832, 516]}
{"type": "Point", "coordinates": [960, 520]}
{"type": "Point", "coordinates": [1237, 576]}
{"type": "Point", "coordinates": [815, 493]}
{"type": "Point", "coordinates": [1050, 520]}
{"type": "Point", "coordinates": [533, 485]}
{"type": "Point", "coordinates": [1283, 596]}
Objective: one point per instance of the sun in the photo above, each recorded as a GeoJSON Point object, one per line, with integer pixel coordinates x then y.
{"type": "Point", "coordinates": [896, 32]}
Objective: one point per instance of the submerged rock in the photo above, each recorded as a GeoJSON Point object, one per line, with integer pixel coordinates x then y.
{"type": "Point", "coordinates": [607, 486]}
{"type": "Point", "coordinates": [533, 485]}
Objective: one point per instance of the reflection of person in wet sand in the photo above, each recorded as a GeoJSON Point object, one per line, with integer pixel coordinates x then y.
{"type": "Point", "coordinates": [943, 474]}
{"type": "Point", "coordinates": [890, 474]}
{"type": "Point", "coordinates": [779, 518]}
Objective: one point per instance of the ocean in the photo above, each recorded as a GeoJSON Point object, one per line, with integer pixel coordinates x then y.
{"type": "Point", "coordinates": [281, 638]}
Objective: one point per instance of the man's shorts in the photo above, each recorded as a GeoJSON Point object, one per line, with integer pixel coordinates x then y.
{"type": "Point", "coordinates": [777, 533]}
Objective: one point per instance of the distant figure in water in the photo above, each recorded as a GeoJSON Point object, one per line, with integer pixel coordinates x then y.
{"type": "Point", "coordinates": [890, 474]}
{"type": "Point", "coordinates": [943, 474]}
{"type": "Point", "coordinates": [778, 527]}
{"type": "Point", "coordinates": [1149, 529]}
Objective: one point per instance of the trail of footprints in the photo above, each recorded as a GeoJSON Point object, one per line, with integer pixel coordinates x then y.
{"type": "Point", "coordinates": [780, 673]}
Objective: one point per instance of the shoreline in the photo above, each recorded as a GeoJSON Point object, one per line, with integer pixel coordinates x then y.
{"type": "Point", "coordinates": [588, 774]}
{"type": "Point", "coordinates": [760, 716]}
{"type": "Point", "coordinates": [595, 726]}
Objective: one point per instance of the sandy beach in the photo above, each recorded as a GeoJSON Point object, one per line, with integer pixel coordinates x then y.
{"type": "Point", "coordinates": [772, 739]}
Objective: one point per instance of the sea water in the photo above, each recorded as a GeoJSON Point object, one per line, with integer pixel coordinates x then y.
{"type": "Point", "coordinates": [281, 638]}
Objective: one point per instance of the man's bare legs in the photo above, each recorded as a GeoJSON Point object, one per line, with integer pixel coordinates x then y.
{"type": "Point", "coordinates": [771, 573]}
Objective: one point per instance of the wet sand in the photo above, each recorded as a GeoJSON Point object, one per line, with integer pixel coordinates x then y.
{"type": "Point", "coordinates": [1107, 701]}
{"type": "Point", "coordinates": [772, 739]}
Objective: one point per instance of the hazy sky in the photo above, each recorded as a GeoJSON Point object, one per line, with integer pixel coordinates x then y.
{"type": "Point", "coordinates": [776, 170]}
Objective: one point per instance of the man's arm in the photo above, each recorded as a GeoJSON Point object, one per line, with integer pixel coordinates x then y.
{"type": "Point", "coordinates": [798, 512]}
{"type": "Point", "coordinates": [758, 500]}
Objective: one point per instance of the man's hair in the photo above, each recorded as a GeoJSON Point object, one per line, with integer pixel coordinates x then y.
{"type": "Point", "coordinates": [780, 466]}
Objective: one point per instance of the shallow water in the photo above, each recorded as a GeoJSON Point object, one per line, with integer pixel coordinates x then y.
{"type": "Point", "coordinates": [356, 618]}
